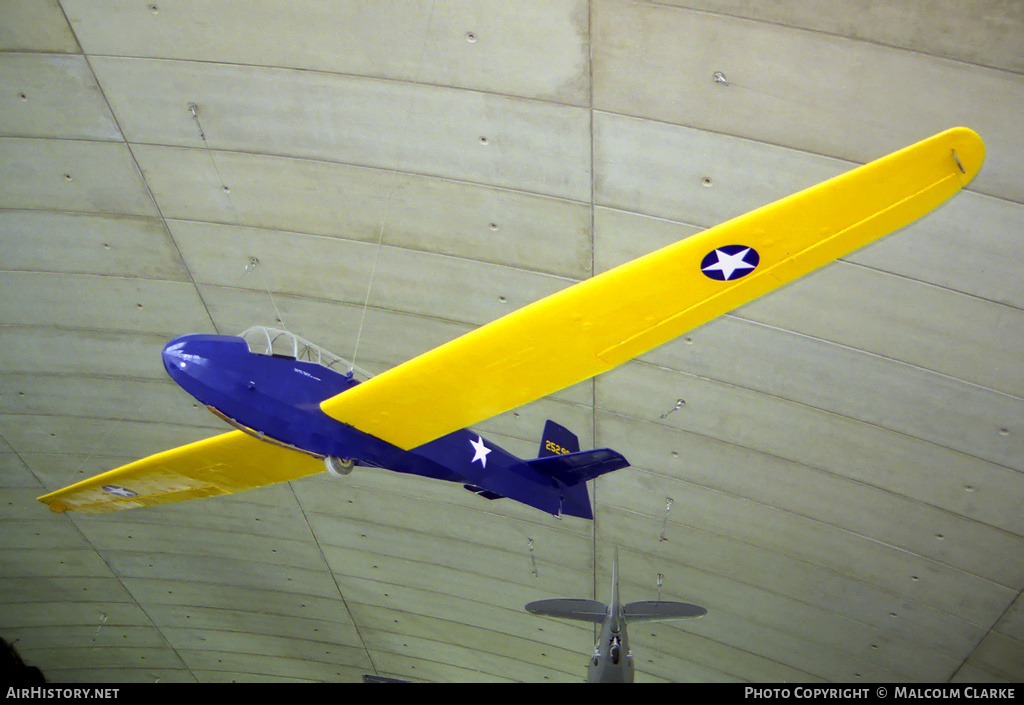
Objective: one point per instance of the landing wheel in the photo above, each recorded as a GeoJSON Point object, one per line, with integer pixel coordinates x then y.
{"type": "Point", "coordinates": [339, 467]}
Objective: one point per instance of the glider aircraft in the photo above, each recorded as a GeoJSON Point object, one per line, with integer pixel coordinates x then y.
{"type": "Point", "coordinates": [612, 661]}
{"type": "Point", "coordinates": [292, 417]}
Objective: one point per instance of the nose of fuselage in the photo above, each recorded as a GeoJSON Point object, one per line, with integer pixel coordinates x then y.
{"type": "Point", "coordinates": [172, 356]}
{"type": "Point", "coordinates": [177, 356]}
{"type": "Point", "coordinates": [189, 355]}
{"type": "Point", "coordinates": [202, 349]}
{"type": "Point", "coordinates": [172, 352]}
{"type": "Point", "coordinates": [201, 362]}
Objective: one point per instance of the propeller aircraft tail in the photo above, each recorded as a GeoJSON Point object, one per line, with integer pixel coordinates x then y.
{"type": "Point", "coordinates": [612, 660]}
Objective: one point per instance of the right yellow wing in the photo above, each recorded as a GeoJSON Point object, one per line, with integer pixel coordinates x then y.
{"type": "Point", "coordinates": [602, 322]}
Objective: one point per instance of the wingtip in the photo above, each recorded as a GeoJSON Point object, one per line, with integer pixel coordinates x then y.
{"type": "Point", "coordinates": [967, 152]}
{"type": "Point", "coordinates": [57, 506]}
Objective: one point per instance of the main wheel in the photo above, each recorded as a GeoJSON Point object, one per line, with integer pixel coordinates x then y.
{"type": "Point", "coordinates": [339, 467]}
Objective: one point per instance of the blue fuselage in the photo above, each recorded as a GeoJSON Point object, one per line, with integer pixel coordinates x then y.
{"type": "Point", "coordinates": [278, 399]}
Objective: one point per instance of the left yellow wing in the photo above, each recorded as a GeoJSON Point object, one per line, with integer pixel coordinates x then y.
{"type": "Point", "coordinates": [602, 322]}
{"type": "Point", "coordinates": [224, 464]}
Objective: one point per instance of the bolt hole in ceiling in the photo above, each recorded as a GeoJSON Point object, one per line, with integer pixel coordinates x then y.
{"type": "Point", "coordinates": [837, 434]}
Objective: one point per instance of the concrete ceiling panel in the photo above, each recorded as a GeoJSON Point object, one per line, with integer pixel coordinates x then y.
{"type": "Point", "coordinates": [1012, 622]}
{"type": "Point", "coordinates": [985, 33]}
{"type": "Point", "coordinates": [49, 436]}
{"type": "Point", "coordinates": [16, 473]}
{"type": "Point", "coordinates": [370, 205]}
{"type": "Point", "coordinates": [983, 351]}
{"type": "Point", "coordinates": [34, 25]}
{"type": "Point", "coordinates": [807, 491]}
{"type": "Point", "coordinates": [484, 138]}
{"type": "Point", "coordinates": [85, 301]}
{"type": "Point", "coordinates": [53, 95]}
{"type": "Point", "coordinates": [942, 627]}
{"type": "Point", "coordinates": [129, 664]}
{"type": "Point", "coordinates": [220, 255]}
{"type": "Point", "coordinates": [886, 459]}
{"type": "Point", "coordinates": [620, 236]}
{"type": "Point", "coordinates": [866, 387]}
{"type": "Point", "coordinates": [821, 657]}
{"type": "Point", "coordinates": [72, 175]}
{"type": "Point", "coordinates": [152, 400]}
{"type": "Point", "coordinates": [701, 517]}
{"type": "Point", "coordinates": [477, 232]}
{"type": "Point", "coordinates": [1000, 655]}
{"type": "Point", "coordinates": [971, 246]}
{"type": "Point", "coordinates": [692, 176]}
{"type": "Point", "coordinates": [45, 241]}
{"type": "Point", "coordinates": [462, 45]}
{"type": "Point", "coordinates": [780, 85]}
{"type": "Point", "coordinates": [81, 352]}
{"type": "Point", "coordinates": [345, 269]}
{"type": "Point", "coordinates": [486, 291]}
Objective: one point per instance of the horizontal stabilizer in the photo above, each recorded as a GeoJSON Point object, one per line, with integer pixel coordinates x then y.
{"type": "Point", "coordinates": [651, 611]}
{"type": "Point", "coordinates": [569, 608]}
{"type": "Point", "coordinates": [576, 468]}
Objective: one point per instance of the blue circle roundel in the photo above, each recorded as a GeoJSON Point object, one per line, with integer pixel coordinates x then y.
{"type": "Point", "coordinates": [729, 262]}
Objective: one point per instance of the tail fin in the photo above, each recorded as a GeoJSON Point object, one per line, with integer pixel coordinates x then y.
{"type": "Point", "coordinates": [557, 440]}
{"type": "Point", "coordinates": [615, 609]}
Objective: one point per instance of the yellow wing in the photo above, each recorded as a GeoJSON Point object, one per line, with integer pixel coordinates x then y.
{"type": "Point", "coordinates": [224, 464]}
{"type": "Point", "coordinates": [611, 318]}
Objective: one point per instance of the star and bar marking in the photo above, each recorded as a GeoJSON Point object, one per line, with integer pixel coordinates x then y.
{"type": "Point", "coordinates": [730, 262]}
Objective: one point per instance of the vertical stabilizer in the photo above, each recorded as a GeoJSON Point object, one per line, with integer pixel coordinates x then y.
{"type": "Point", "coordinates": [557, 440]}
{"type": "Point", "coordinates": [614, 608]}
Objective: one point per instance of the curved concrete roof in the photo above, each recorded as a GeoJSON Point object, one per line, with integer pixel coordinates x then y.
{"type": "Point", "coordinates": [841, 486]}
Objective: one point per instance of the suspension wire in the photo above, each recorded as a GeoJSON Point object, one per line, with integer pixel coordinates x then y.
{"type": "Point", "coordinates": [393, 177]}
{"type": "Point", "coordinates": [254, 264]}
{"type": "Point", "coordinates": [376, 258]}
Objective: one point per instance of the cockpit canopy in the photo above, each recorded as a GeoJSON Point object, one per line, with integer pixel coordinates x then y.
{"type": "Point", "coordinates": [281, 343]}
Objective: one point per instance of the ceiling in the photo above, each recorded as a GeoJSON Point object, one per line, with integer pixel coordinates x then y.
{"type": "Point", "coordinates": [841, 485]}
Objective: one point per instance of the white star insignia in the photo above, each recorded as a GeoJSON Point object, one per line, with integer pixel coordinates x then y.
{"type": "Point", "coordinates": [480, 451]}
{"type": "Point", "coordinates": [728, 264]}
{"type": "Point", "coordinates": [118, 491]}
